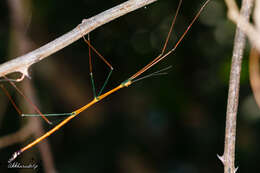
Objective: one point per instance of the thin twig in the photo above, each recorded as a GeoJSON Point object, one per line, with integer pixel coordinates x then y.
{"type": "Point", "coordinates": [22, 63]}
{"type": "Point", "coordinates": [228, 158]}
{"type": "Point", "coordinates": [248, 28]}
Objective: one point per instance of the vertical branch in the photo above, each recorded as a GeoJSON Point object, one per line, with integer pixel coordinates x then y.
{"type": "Point", "coordinates": [228, 158]}
{"type": "Point", "coordinates": [19, 13]}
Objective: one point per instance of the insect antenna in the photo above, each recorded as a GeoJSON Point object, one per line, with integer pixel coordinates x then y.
{"type": "Point", "coordinates": [156, 73]}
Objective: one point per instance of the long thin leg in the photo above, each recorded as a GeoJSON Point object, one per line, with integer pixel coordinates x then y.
{"type": "Point", "coordinates": [90, 67]}
{"type": "Point", "coordinates": [108, 64]}
{"type": "Point", "coordinates": [89, 55]}
{"type": "Point", "coordinates": [164, 46]}
{"type": "Point", "coordinates": [28, 100]}
{"type": "Point", "coordinates": [171, 28]}
{"type": "Point", "coordinates": [182, 36]}
{"type": "Point", "coordinates": [162, 56]}
{"type": "Point", "coordinates": [73, 114]}
{"type": "Point", "coordinates": [122, 85]}
{"type": "Point", "coordinates": [106, 81]}
{"type": "Point", "coordinates": [11, 99]}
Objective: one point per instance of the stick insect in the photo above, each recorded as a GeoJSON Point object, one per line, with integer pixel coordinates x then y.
{"type": "Point", "coordinates": [100, 95]}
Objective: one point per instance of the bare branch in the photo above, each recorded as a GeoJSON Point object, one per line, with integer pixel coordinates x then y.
{"type": "Point", "coordinates": [18, 12]}
{"type": "Point", "coordinates": [228, 158]}
{"type": "Point", "coordinates": [248, 28]}
{"type": "Point", "coordinates": [22, 63]}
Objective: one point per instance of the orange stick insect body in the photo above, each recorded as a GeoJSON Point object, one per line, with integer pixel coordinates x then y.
{"type": "Point", "coordinates": [124, 84]}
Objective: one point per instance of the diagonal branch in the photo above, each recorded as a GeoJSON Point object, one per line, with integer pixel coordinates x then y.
{"type": "Point", "coordinates": [22, 63]}
{"type": "Point", "coordinates": [19, 136]}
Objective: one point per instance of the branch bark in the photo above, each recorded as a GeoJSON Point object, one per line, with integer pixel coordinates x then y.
{"type": "Point", "coordinates": [248, 28]}
{"type": "Point", "coordinates": [22, 63]}
{"type": "Point", "coordinates": [228, 158]}
{"type": "Point", "coordinates": [19, 11]}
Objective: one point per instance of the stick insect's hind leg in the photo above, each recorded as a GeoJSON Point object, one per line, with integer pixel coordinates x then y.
{"type": "Point", "coordinates": [90, 47]}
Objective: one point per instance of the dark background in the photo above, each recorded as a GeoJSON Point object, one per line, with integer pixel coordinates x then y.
{"type": "Point", "coordinates": [168, 124]}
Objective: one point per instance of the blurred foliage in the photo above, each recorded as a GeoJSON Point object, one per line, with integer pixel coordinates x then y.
{"type": "Point", "coordinates": [169, 124]}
